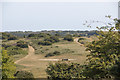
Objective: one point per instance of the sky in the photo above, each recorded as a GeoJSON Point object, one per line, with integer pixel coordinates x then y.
{"type": "Point", "coordinates": [37, 16]}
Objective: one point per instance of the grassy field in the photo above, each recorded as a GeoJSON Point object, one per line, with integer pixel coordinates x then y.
{"type": "Point", "coordinates": [68, 50]}
{"type": "Point", "coordinates": [33, 64]}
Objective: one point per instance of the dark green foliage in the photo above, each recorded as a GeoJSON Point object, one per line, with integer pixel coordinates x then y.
{"type": "Point", "coordinates": [104, 57]}
{"type": "Point", "coordinates": [13, 50]}
{"type": "Point", "coordinates": [6, 46]}
{"type": "Point", "coordinates": [22, 44]}
{"type": "Point", "coordinates": [81, 39]}
{"type": "Point", "coordinates": [5, 35]}
{"type": "Point", "coordinates": [68, 38]}
{"type": "Point", "coordinates": [12, 38]}
{"type": "Point", "coordinates": [39, 35]}
{"type": "Point", "coordinates": [76, 35]}
{"type": "Point", "coordinates": [53, 54]}
{"type": "Point", "coordinates": [49, 40]}
{"type": "Point", "coordinates": [52, 39]}
{"type": "Point", "coordinates": [23, 74]}
{"type": "Point", "coordinates": [8, 36]}
{"type": "Point", "coordinates": [57, 35]}
{"type": "Point", "coordinates": [64, 71]}
{"type": "Point", "coordinates": [31, 35]}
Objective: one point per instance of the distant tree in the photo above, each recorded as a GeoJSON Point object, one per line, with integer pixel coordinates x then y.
{"type": "Point", "coordinates": [24, 36]}
{"type": "Point", "coordinates": [57, 35]}
{"type": "Point", "coordinates": [31, 35]}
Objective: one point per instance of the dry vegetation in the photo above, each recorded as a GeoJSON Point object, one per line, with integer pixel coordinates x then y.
{"type": "Point", "coordinates": [33, 64]}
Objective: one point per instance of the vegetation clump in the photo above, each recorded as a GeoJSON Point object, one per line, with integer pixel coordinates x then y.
{"type": "Point", "coordinates": [24, 74]}
{"type": "Point", "coordinates": [8, 36]}
{"type": "Point", "coordinates": [44, 43]}
{"type": "Point", "coordinates": [49, 40]}
{"type": "Point", "coordinates": [22, 44]}
{"type": "Point", "coordinates": [81, 39]}
{"type": "Point", "coordinates": [52, 54]}
{"type": "Point", "coordinates": [68, 38]}
{"type": "Point", "coordinates": [8, 67]}
{"type": "Point", "coordinates": [14, 50]}
{"type": "Point", "coordinates": [64, 71]}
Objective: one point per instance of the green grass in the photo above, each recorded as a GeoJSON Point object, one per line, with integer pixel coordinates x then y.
{"type": "Point", "coordinates": [69, 50]}
{"type": "Point", "coordinates": [64, 47]}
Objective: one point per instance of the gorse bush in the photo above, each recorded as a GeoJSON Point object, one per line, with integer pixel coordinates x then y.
{"type": "Point", "coordinates": [49, 40]}
{"type": "Point", "coordinates": [53, 54]}
{"type": "Point", "coordinates": [52, 39]}
{"type": "Point", "coordinates": [68, 38]}
{"type": "Point", "coordinates": [12, 38]}
{"type": "Point", "coordinates": [81, 39]}
{"type": "Point", "coordinates": [22, 44]}
{"type": "Point", "coordinates": [44, 43]}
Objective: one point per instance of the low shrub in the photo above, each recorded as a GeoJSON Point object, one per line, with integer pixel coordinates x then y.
{"type": "Point", "coordinates": [68, 38]}
{"type": "Point", "coordinates": [23, 74]}
{"type": "Point", "coordinates": [12, 38]}
{"type": "Point", "coordinates": [64, 71]}
{"type": "Point", "coordinates": [52, 54]}
{"type": "Point", "coordinates": [44, 43]}
{"type": "Point", "coordinates": [13, 50]}
{"type": "Point", "coordinates": [22, 44]}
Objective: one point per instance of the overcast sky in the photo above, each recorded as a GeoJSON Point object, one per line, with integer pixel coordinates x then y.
{"type": "Point", "coordinates": [36, 16]}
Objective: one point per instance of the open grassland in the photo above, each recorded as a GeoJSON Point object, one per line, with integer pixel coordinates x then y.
{"type": "Point", "coordinates": [38, 63]}
{"type": "Point", "coordinates": [64, 47]}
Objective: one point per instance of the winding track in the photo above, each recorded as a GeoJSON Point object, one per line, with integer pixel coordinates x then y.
{"type": "Point", "coordinates": [76, 40]}
{"type": "Point", "coordinates": [30, 54]}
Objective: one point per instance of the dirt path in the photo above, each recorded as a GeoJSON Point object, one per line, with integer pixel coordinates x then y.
{"type": "Point", "coordinates": [76, 40]}
{"type": "Point", "coordinates": [30, 54]}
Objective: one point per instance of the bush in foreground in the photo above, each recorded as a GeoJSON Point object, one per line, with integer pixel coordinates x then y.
{"type": "Point", "coordinates": [64, 71]}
